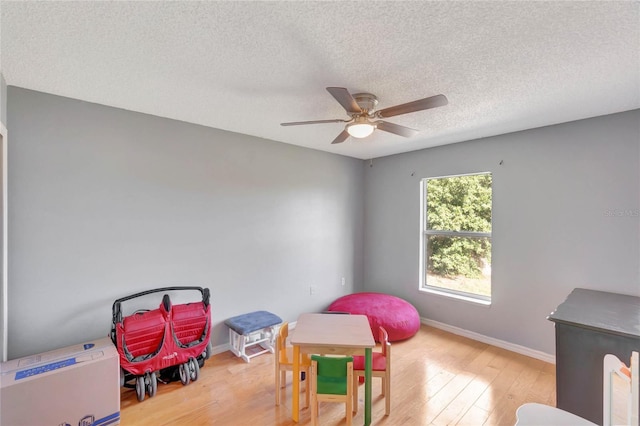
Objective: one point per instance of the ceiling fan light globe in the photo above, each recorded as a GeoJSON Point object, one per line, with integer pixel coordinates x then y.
{"type": "Point", "coordinates": [360, 130]}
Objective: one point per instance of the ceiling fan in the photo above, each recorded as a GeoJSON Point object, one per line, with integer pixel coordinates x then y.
{"type": "Point", "coordinates": [362, 109]}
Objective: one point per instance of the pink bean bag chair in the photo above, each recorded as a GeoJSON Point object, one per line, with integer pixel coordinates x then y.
{"type": "Point", "coordinates": [396, 315]}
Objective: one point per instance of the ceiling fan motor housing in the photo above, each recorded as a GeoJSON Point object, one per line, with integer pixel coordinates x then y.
{"type": "Point", "coordinates": [366, 101]}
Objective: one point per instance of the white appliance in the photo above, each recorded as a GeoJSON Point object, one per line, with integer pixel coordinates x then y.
{"type": "Point", "coordinates": [77, 385]}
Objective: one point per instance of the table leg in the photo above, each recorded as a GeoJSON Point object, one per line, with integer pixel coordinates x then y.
{"type": "Point", "coordinates": [296, 384]}
{"type": "Point", "coordinates": [367, 386]}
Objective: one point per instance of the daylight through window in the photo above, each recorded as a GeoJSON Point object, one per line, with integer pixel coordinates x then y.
{"type": "Point", "coordinates": [456, 235]}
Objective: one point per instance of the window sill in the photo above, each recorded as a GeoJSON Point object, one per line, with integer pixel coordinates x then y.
{"type": "Point", "coordinates": [446, 294]}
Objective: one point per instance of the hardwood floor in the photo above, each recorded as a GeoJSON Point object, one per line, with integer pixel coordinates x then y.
{"type": "Point", "coordinates": [438, 378]}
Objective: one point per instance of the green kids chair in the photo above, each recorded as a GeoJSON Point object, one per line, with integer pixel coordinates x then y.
{"type": "Point", "coordinates": [331, 379]}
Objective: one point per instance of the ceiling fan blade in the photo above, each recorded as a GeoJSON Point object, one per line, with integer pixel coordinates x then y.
{"type": "Point", "coordinates": [419, 105]}
{"type": "Point", "coordinates": [385, 126]}
{"type": "Point", "coordinates": [341, 137]}
{"type": "Point", "coordinates": [345, 99]}
{"type": "Point", "coordinates": [297, 123]}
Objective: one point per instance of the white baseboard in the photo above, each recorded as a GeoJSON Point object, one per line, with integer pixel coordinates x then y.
{"type": "Point", "coordinates": [221, 348]}
{"type": "Point", "coordinates": [491, 341]}
{"type": "Point", "coordinates": [455, 330]}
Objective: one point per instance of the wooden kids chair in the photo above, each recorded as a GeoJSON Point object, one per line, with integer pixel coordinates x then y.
{"type": "Point", "coordinates": [381, 367]}
{"type": "Point", "coordinates": [331, 382]}
{"type": "Point", "coordinates": [284, 362]}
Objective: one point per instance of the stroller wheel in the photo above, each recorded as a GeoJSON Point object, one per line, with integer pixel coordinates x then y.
{"type": "Point", "coordinates": [152, 384]}
{"type": "Point", "coordinates": [185, 373]}
{"type": "Point", "coordinates": [140, 388]}
{"type": "Point", "coordinates": [207, 351]}
{"type": "Point", "coordinates": [194, 369]}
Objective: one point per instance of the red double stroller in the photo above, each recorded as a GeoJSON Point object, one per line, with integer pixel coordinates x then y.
{"type": "Point", "coordinates": [159, 341]}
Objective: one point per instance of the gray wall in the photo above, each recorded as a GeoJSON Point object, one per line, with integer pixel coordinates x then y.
{"type": "Point", "coordinates": [3, 120]}
{"type": "Point", "coordinates": [3, 100]}
{"type": "Point", "coordinates": [556, 201]}
{"type": "Point", "coordinates": [104, 203]}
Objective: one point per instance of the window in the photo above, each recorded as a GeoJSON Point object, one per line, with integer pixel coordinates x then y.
{"type": "Point", "coordinates": [456, 236]}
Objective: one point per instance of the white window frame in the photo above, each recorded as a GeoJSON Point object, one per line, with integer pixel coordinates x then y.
{"type": "Point", "coordinates": [424, 236]}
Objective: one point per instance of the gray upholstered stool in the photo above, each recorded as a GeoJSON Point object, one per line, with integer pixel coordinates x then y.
{"type": "Point", "coordinates": [251, 330]}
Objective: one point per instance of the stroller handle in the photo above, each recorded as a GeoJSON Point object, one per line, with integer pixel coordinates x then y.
{"type": "Point", "coordinates": [116, 305]}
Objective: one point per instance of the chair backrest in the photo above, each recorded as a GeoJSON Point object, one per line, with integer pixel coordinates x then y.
{"type": "Point", "coordinates": [284, 331]}
{"type": "Point", "coordinates": [332, 374]}
{"type": "Point", "coordinates": [281, 344]}
{"type": "Point", "coordinates": [383, 338]}
{"type": "Point", "coordinates": [613, 367]}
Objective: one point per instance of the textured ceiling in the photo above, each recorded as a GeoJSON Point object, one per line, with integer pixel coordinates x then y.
{"type": "Point", "coordinates": [248, 66]}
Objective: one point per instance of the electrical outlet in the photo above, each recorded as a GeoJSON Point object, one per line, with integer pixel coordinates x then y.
{"type": "Point", "coordinates": [313, 290]}
{"type": "Point", "coordinates": [343, 281]}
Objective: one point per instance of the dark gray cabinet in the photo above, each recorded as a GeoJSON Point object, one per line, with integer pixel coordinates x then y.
{"type": "Point", "coordinates": [590, 324]}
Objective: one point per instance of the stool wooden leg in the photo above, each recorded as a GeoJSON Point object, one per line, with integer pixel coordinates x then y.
{"type": "Point", "coordinates": [244, 356]}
